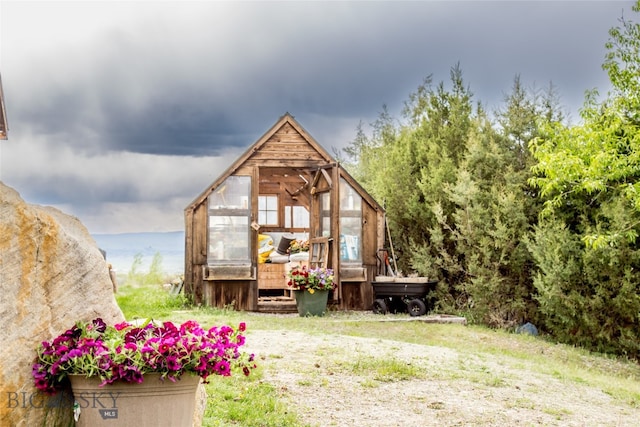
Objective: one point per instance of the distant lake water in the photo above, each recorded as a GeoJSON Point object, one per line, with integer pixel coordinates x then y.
{"type": "Point", "coordinates": [122, 261]}
{"type": "Point", "coordinates": [121, 251]}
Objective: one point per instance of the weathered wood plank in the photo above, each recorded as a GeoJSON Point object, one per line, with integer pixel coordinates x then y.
{"type": "Point", "coordinates": [353, 274]}
{"type": "Point", "coordinates": [272, 276]}
{"type": "Point", "coordinates": [277, 305]}
{"type": "Point", "coordinates": [291, 155]}
{"type": "Point", "coordinates": [287, 145]}
{"type": "Point", "coordinates": [369, 231]}
{"type": "Point", "coordinates": [278, 163]}
{"type": "Point", "coordinates": [241, 295]}
{"type": "Point", "coordinates": [230, 272]}
{"type": "Point", "coordinates": [201, 237]}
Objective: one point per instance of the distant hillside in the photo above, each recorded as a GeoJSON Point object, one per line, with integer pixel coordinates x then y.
{"type": "Point", "coordinates": [121, 250]}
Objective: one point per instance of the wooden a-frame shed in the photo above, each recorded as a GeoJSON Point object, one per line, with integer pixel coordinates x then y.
{"type": "Point", "coordinates": [284, 188]}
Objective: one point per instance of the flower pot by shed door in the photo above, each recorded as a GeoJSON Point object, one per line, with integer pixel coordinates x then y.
{"type": "Point", "coordinates": [311, 304]}
{"type": "Point", "coordinates": [152, 403]}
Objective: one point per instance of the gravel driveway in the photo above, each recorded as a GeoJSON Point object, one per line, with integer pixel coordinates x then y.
{"type": "Point", "coordinates": [334, 380]}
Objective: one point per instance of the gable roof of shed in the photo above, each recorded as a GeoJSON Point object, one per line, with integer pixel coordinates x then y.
{"type": "Point", "coordinates": [283, 128]}
{"type": "Point", "coordinates": [286, 119]}
{"type": "Point", "coordinates": [270, 137]}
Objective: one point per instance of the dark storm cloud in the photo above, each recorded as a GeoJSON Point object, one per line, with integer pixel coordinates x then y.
{"type": "Point", "coordinates": [159, 89]}
{"type": "Point", "coordinates": [69, 189]}
{"type": "Point", "coordinates": [156, 90]}
{"type": "Point", "coordinates": [119, 108]}
{"type": "Point", "coordinates": [178, 129]}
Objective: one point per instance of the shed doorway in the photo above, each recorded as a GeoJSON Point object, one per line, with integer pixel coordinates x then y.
{"type": "Point", "coordinates": [284, 217]}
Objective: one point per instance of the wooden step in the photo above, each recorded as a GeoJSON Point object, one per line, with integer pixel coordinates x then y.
{"type": "Point", "coordinates": [279, 304]}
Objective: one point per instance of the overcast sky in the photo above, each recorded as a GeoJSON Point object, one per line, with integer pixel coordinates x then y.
{"type": "Point", "coordinates": [121, 113]}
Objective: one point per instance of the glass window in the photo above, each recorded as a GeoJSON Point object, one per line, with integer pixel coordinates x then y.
{"type": "Point", "coordinates": [229, 219]}
{"type": "Point", "coordinates": [350, 223]}
{"type": "Point", "coordinates": [325, 215]}
{"type": "Point", "coordinates": [350, 200]}
{"type": "Point", "coordinates": [300, 217]}
{"type": "Point", "coordinates": [268, 210]}
{"type": "Point", "coordinates": [233, 193]}
{"type": "Point", "coordinates": [296, 217]}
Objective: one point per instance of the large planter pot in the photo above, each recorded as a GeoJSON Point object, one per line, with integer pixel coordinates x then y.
{"type": "Point", "coordinates": [311, 304]}
{"type": "Point", "coordinates": [152, 403]}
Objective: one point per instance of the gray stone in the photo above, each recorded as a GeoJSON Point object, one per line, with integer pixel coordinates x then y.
{"type": "Point", "coordinates": [52, 274]}
{"type": "Point", "coordinates": [528, 329]}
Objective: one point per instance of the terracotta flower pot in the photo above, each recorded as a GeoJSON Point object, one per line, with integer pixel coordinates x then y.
{"type": "Point", "coordinates": [311, 304]}
{"type": "Point", "coordinates": [152, 403]}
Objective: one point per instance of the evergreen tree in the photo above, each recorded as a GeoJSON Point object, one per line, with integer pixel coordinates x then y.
{"type": "Point", "coordinates": [456, 193]}
{"type": "Point", "coordinates": [425, 158]}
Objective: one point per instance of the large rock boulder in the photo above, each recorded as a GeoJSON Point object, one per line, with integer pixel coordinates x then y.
{"type": "Point", "coordinates": [52, 274]}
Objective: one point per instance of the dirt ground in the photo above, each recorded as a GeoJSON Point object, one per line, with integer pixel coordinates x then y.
{"type": "Point", "coordinates": [326, 379]}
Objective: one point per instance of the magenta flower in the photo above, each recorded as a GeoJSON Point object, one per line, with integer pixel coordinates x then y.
{"type": "Point", "coordinates": [173, 364]}
{"type": "Point", "coordinates": [121, 326]}
{"type": "Point", "coordinates": [125, 352]}
{"type": "Point", "coordinates": [222, 368]}
{"type": "Point", "coordinates": [166, 345]}
{"type": "Point", "coordinates": [99, 325]}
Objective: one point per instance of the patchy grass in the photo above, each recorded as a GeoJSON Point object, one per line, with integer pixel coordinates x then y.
{"type": "Point", "coordinates": [384, 369]}
{"type": "Point", "coordinates": [246, 401]}
{"type": "Point", "coordinates": [240, 401]}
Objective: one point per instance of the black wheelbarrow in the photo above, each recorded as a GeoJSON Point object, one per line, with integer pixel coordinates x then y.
{"type": "Point", "coordinates": [402, 294]}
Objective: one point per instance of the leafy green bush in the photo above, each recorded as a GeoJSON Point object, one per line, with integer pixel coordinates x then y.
{"type": "Point", "coordinates": [587, 296]}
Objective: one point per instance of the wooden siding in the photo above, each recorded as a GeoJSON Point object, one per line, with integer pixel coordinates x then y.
{"type": "Point", "coordinates": [201, 218]}
{"type": "Point", "coordinates": [369, 234]}
{"type": "Point", "coordinates": [284, 147]}
{"type": "Point", "coordinates": [239, 294]}
{"type": "Point", "coordinates": [196, 237]}
{"type": "Point", "coordinates": [272, 276]}
{"type": "Point", "coordinates": [357, 296]}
